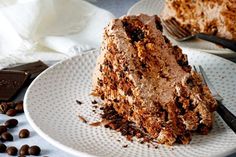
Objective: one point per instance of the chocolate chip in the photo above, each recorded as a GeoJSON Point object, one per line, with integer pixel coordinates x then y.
{"type": "Point", "coordinates": [7, 136]}
{"type": "Point", "coordinates": [125, 68]}
{"type": "Point", "coordinates": [12, 150]}
{"type": "Point", "coordinates": [11, 112]}
{"type": "Point", "coordinates": [19, 107]}
{"type": "Point", "coordinates": [100, 82]}
{"type": "Point", "coordinates": [158, 24]}
{"type": "Point", "coordinates": [166, 39]}
{"type": "Point", "coordinates": [11, 123]}
{"type": "Point", "coordinates": [116, 100]}
{"type": "Point", "coordinates": [129, 92]}
{"type": "Point", "coordinates": [137, 35]}
{"type": "Point", "coordinates": [24, 150]}
{"type": "Point", "coordinates": [24, 133]}
{"type": "Point", "coordinates": [2, 129]}
{"type": "Point", "coordinates": [34, 150]}
{"type": "Point", "coordinates": [100, 68]}
{"type": "Point", "coordinates": [94, 102]}
{"type": "Point", "coordinates": [3, 148]}
{"type": "Point", "coordinates": [102, 96]}
{"type": "Point", "coordinates": [143, 65]}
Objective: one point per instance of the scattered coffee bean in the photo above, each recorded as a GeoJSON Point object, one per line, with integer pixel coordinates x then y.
{"type": "Point", "coordinates": [24, 150]}
{"type": "Point", "coordinates": [11, 104]}
{"type": "Point", "coordinates": [3, 108]}
{"type": "Point", "coordinates": [12, 150]}
{"type": "Point", "coordinates": [11, 112]}
{"type": "Point", "coordinates": [19, 107]}
{"type": "Point", "coordinates": [11, 123]}
{"type": "Point", "coordinates": [6, 106]}
{"type": "Point", "coordinates": [2, 140]}
{"type": "Point", "coordinates": [2, 129]}
{"type": "Point", "coordinates": [3, 148]}
{"type": "Point", "coordinates": [34, 150]}
{"type": "Point", "coordinates": [24, 133]}
{"type": "Point", "coordinates": [7, 136]}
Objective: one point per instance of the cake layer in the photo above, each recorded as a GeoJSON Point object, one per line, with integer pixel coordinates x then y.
{"type": "Point", "coordinates": [149, 82]}
{"type": "Point", "coordinates": [217, 17]}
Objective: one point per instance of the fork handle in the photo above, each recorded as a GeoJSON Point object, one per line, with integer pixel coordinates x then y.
{"type": "Point", "coordinates": [230, 44]}
{"type": "Point", "coordinates": [227, 116]}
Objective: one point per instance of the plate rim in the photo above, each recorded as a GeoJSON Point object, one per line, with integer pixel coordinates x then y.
{"type": "Point", "coordinates": [75, 152]}
{"type": "Point", "coordinates": [227, 53]}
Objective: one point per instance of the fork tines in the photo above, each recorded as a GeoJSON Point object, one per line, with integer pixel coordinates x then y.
{"type": "Point", "coordinates": [174, 29]}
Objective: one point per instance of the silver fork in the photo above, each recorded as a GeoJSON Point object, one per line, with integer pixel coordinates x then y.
{"type": "Point", "coordinates": [181, 34]}
{"type": "Point", "coordinates": [225, 114]}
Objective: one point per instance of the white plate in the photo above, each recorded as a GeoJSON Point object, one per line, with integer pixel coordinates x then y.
{"type": "Point", "coordinates": [155, 7]}
{"type": "Point", "coordinates": [51, 109]}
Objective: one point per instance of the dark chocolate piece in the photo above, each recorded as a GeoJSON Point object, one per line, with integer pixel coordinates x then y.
{"type": "Point", "coordinates": [34, 69]}
{"type": "Point", "coordinates": [10, 83]}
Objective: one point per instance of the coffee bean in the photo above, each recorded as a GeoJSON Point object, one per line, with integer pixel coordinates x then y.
{"type": "Point", "coordinates": [19, 108]}
{"type": "Point", "coordinates": [1, 140]}
{"type": "Point", "coordinates": [34, 150]}
{"type": "Point", "coordinates": [3, 108]}
{"type": "Point", "coordinates": [3, 148]}
{"type": "Point", "coordinates": [7, 136]}
{"type": "Point", "coordinates": [24, 133]}
{"type": "Point", "coordinates": [24, 150]}
{"type": "Point", "coordinates": [11, 123]}
{"type": "Point", "coordinates": [11, 112]}
{"type": "Point", "coordinates": [2, 129]}
{"type": "Point", "coordinates": [12, 150]}
{"type": "Point", "coordinates": [11, 104]}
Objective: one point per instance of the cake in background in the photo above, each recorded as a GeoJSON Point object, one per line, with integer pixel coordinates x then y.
{"type": "Point", "coordinates": [216, 17]}
{"type": "Point", "coordinates": [148, 82]}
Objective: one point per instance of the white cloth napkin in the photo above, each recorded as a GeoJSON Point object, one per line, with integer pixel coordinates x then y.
{"type": "Point", "coordinates": [48, 29]}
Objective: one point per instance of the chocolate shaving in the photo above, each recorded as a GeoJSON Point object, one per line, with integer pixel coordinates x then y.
{"type": "Point", "coordinates": [94, 102]}
{"type": "Point", "coordinates": [82, 119]}
{"type": "Point", "coordinates": [78, 102]}
{"type": "Point", "coordinates": [128, 129]}
{"type": "Point", "coordinates": [96, 124]}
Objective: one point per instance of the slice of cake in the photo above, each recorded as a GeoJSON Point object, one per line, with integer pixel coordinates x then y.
{"type": "Point", "coordinates": [149, 82]}
{"type": "Point", "coordinates": [207, 16]}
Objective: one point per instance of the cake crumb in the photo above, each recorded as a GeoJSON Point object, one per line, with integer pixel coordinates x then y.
{"type": "Point", "coordinates": [125, 146]}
